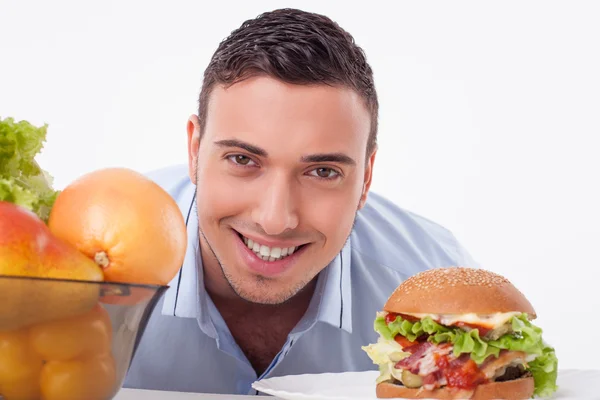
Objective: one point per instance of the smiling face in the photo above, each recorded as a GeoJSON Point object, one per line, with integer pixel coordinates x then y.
{"type": "Point", "coordinates": [280, 172]}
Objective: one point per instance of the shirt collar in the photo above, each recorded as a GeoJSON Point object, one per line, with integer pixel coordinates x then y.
{"type": "Point", "coordinates": [187, 298]}
{"type": "Point", "coordinates": [335, 301]}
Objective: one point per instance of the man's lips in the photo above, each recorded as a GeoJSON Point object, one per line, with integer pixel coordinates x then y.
{"type": "Point", "coordinates": [271, 250]}
{"type": "Point", "coordinates": [268, 265]}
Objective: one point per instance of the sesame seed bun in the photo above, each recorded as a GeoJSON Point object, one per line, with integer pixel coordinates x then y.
{"type": "Point", "coordinates": [517, 389]}
{"type": "Point", "coordinates": [457, 290]}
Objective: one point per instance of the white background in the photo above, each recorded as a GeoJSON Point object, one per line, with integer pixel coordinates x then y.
{"type": "Point", "coordinates": [489, 117]}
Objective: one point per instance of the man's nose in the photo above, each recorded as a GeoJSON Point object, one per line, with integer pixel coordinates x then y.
{"type": "Point", "coordinates": [276, 209]}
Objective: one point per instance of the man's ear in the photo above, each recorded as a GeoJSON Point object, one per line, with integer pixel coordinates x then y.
{"type": "Point", "coordinates": [193, 134]}
{"type": "Point", "coordinates": [367, 179]}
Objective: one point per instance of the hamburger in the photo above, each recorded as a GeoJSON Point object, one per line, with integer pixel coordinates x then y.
{"type": "Point", "coordinates": [460, 333]}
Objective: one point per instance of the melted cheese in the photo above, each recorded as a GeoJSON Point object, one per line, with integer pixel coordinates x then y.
{"type": "Point", "coordinates": [490, 321]}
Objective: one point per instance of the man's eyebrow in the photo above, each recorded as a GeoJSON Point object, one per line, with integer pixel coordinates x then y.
{"type": "Point", "coordinates": [329, 157]}
{"type": "Point", "coordinates": [242, 145]}
{"type": "Point", "coordinates": [313, 158]}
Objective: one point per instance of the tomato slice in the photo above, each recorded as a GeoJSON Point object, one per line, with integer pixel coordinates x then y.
{"type": "Point", "coordinates": [403, 341]}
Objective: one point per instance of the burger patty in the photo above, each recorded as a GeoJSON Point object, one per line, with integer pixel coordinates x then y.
{"type": "Point", "coordinates": [512, 373]}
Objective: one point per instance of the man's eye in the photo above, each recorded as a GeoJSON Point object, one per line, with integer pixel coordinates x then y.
{"type": "Point", "coordinates": [325, 173]}
{"type": "Point", "coordinates": [240, 159]}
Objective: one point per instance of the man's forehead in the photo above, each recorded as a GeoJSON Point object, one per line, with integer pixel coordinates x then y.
{"type": "Point", "coordinates": [269, 105]}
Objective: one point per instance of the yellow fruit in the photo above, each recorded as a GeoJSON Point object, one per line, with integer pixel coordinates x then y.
{"type": "Point", "coordinates": [28, 249]}
{"type": "Point", "coordinates": [20, 368]}
{"type": "Point", "coordinates": [22, 389]}
{"type": "Point", "coordinates": [89, 378]}
{"type": "Point", "coordinates": [69, 338]}
{"type": "Point", "coordinates": [124, 221]}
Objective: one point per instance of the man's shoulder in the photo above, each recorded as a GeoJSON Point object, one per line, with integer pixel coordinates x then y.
{"type": "Point", "coordinates": [171, 178]}
{"type": "Point", "coordinates": [404, 241]}
{"type": "Point", "coordinates": [175, 180]}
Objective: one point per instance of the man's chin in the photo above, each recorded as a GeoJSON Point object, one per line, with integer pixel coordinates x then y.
{"type": "Point", "coordinates": [262, 294]}
{"type": "Point", "coordinates": [264, 291]}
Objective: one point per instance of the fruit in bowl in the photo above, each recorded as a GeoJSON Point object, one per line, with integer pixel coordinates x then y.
{"type": "Point", "coordinates": [27, 248]}
{"type": "Point", "coordinates": [60, 359]}
{"type": "Point", "coordinates": [84, 356]}
{"type": "Point", "coordinates": [130, 226]}
{"type": "Point", "coordinates": [80, 271]}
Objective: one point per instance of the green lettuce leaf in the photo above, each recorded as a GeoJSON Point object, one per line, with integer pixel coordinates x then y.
{"type": "Point", "coordinates": [408, 329]}
{"type": "Point", "coordinates": [545, 372]}
{"type": "Point", "coordinates": [22, 181]}
{"type": "Point", "coordinates": [524, 337]}
{"type": "Point", "coordinates": [470, 342]}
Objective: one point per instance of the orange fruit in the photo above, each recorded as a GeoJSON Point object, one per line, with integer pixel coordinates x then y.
{"type": "Point", "coordinates": [92, 378]}
{"type": "Point", "coordinates": [73, 337]}
{"type": "Point", "coordinates": [124, 221]}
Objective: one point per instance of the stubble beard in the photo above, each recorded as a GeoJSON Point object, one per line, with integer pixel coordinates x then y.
{"type": "Point", "coordinates": [260, 290]}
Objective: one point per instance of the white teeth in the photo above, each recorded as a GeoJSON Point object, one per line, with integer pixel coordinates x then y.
{"type": "Point", "coordinates": [276, 252]}
{"type": "Point", "coordinates": [266, 253]}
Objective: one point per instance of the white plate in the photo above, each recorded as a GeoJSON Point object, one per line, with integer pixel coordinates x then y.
{"type": "Point", "coordinates": [573, 384]}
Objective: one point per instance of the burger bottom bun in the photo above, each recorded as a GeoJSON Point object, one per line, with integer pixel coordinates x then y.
{"type": "Point", "coordinates": [517, 389]}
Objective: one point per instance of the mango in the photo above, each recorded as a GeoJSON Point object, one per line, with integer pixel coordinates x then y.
{"type": "Point", "coordinates": [29, 251]}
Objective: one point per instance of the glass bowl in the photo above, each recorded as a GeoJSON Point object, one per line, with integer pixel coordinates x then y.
{"type": "Point", "coordinates": [69, 339]}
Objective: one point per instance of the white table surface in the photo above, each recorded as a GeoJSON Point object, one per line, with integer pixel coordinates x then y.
{"type": "Point", "coordinates": [573, 384]}
{"type": "Point", "coordinates": [138, 394]}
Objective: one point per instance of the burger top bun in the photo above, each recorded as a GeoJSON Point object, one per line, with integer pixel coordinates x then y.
{"type": "Point", "coordinates": [457, 290]}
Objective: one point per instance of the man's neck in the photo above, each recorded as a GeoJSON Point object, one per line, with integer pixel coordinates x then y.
{"type": "Point", "coordinates": [260, 330]}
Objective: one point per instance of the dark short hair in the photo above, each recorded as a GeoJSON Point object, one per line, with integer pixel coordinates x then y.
{"type": "Point", "coordinates": [296, 47]}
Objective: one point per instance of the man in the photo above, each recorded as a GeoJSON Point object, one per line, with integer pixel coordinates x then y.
{"type": "Point", "coordinates": [289, 257]}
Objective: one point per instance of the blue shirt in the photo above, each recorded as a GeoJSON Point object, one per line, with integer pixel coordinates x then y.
{"type": "Point", "coordinates": [188, 347]}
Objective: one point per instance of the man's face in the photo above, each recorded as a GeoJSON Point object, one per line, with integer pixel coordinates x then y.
{"type": "Point", "coordinates": [280, 172]}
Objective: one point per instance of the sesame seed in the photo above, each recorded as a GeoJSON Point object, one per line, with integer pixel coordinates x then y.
{"type": "Point", "coordinates": [438, 278]}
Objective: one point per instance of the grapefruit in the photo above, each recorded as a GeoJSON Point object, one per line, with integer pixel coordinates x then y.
{"type": "Point", "coordinates": [130, 226]}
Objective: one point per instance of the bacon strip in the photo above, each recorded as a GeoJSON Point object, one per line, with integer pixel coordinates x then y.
{"type": "Point", "coordinates": [438, 367]}
{"type": "Point", "coordinates": [417, 351]}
